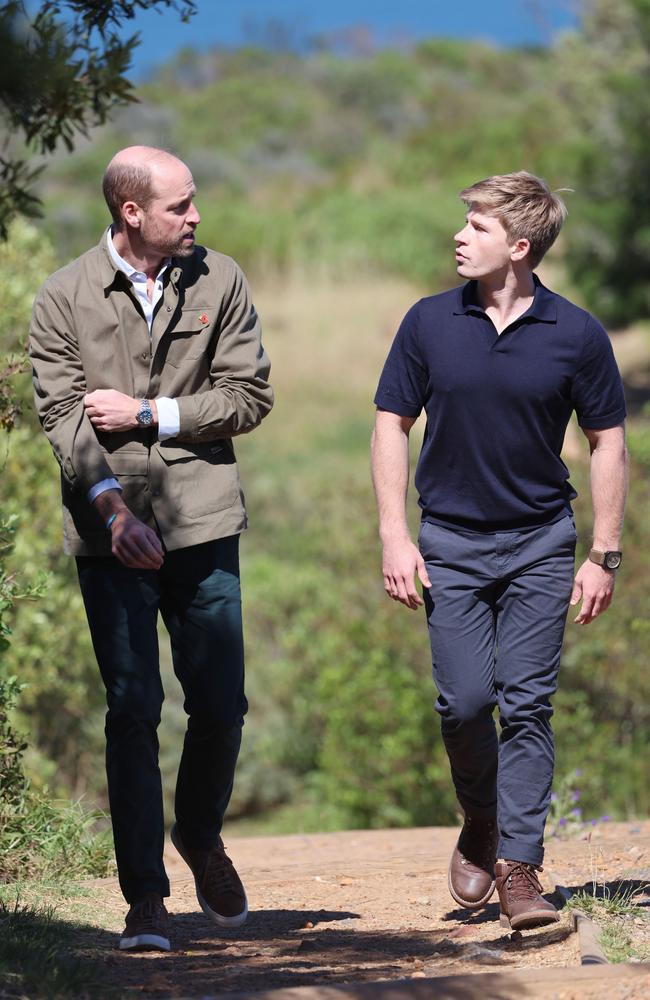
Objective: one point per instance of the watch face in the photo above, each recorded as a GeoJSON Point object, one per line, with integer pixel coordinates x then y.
{"type": "Point", "coordinates": [144, 416]}
{"type": "Point", "coordinates": [612, 560]}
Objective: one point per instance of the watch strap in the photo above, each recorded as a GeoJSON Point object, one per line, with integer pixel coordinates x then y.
{"type": "Point", "coordinates": [144, 416]}
{"type": "Point", "coordinates": [610, 559]}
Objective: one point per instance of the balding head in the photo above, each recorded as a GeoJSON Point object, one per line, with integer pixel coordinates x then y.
{"type": "Point", "coordinates": [131, 176]}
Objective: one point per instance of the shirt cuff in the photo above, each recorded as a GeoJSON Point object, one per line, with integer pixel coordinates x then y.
{"type": "Point", "coordinates": [105, 484]}
{"type": "Point", "coordinates": [169, 419]}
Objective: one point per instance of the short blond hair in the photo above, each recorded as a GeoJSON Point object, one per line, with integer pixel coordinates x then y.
{"type": "Point", "coordinates": [524, 205]}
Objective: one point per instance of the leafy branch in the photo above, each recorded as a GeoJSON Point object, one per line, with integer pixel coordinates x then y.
{"type": "Point", "coordinates": [63, 70]}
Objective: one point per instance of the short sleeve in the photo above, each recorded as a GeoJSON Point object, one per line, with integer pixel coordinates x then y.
{"type": "Point", "coordinates": [403, 382]}
{"type": "Point", "coordinates": [597, 391]}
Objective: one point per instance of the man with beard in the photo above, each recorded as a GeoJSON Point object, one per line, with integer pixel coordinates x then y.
{"type": "Point", "coordinates": [147, 361]}
{"type": "Point", "coordinates": [499, 364]}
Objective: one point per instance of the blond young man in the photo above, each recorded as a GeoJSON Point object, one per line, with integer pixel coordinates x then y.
{"type": "Point", "coordinates": [148, 360]}
{"type": "Point", "coordinates": [499, 364]}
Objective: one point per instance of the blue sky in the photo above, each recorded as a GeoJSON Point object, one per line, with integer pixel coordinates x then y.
{"type": "Point", "coordinates": [231, 22]}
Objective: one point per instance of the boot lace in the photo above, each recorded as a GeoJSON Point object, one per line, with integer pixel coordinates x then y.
{"type": "Point", "coordinates": [522, 881]}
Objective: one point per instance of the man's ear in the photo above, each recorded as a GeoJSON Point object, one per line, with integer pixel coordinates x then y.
{"type": "Point", "coordinates": [132, 214]}
{"type": "Point", "coordinates": [520, 249]}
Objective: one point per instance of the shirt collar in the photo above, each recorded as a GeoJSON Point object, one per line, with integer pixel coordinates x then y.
{"type": "Point", "coordinates": [123, 265]}
{"type": "Point", "coordinates": [543, 308]}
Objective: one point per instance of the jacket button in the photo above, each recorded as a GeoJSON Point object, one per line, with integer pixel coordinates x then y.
{"type": "Point", "coordinates": [145, 356]}
{"type": "Point", "coordinates": [169, 309]}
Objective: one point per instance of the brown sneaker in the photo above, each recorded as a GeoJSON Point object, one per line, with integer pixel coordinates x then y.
{"type": "Point", "coordinates": [520, 895]}
{"type": "Point", "coordinates": [219, 889]}
{"type": "Point", "coordinates": [147, 926]}
{"type": "Point", "coordinates": [471, 869]}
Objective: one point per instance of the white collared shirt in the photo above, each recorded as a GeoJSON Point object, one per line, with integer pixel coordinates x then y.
{"type": "Point", "coordinates": [139, 280]}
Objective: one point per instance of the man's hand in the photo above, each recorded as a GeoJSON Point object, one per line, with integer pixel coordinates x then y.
{"type": "Point", "coordinates": [110, 410]}
{"type": "Point", "coordinates": [595, 586]}
{"type": "Point", "coordinates": [401, 561]}
{"type": "Point", "coordinates": [135, 544]}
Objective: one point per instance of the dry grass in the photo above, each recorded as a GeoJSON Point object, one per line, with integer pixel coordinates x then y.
{"type": "Point", "coordinates": [330, 340]}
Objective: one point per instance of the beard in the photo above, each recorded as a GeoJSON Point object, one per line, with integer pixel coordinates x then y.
{"type": "Point", "coordinates": [166, 246]}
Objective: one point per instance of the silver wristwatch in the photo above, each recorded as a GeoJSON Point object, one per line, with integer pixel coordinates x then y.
{"type": "Point", "coordinates": [608, 560]}
{"type": "Point", "coordinates": [144, 416]}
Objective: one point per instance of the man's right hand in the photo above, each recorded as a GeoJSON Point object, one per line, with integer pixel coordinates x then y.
{"type": "Point", "coordinates": [401, 561]}
{"type": "Point", "coordinates": [134, 543]}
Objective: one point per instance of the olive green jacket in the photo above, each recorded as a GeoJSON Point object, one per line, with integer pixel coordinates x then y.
{"type": "Point", "coordinates": [88, 332]}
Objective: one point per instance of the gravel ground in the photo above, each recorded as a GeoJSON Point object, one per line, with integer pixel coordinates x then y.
{"type": "Point", "coordinates": [351, 907]}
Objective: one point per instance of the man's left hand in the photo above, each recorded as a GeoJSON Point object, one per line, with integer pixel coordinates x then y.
{"type": "Point", "coordinates": [595, 586]}
{"type": "Point", "coordinates": [110, 410]}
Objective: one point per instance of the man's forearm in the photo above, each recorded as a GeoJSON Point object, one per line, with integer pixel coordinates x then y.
{"type": "Point", "coordinates": [230, 408]}
{"type": "Point", "coordinates": [109, 502]}
{"type": "Point", "coordinates": [401, 559]}
{"type": "Point", "coordinates": [608, 473]}
{"type": "Point", "coordinates": [390, 473]}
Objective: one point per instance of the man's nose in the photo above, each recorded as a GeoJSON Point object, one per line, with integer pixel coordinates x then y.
{"type": "Point", "coordinates": [193, 215]}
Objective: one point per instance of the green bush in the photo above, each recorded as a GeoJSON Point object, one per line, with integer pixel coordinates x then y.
{"type": "Point", "coordinates": [38, 836]}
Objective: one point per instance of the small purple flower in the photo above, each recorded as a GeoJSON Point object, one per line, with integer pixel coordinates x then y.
{"type": "Point", "coordinates": [562, 821]}
{"type": "Point", "coordinates": [553, 797]}
{"type": "Point", "coordinates": [575, 796]}
{"type": "Point", "coordinates": [578, 772]}
{"type": "Point", "coordinates": [576, 812]}
{"type": "Point", "coordinates": [593, 822]}
{"type": "Point", "coordinates": [605, 819]}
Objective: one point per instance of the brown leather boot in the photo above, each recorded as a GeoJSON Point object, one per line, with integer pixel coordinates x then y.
{"type": "Point", "coordinates": [520, 895]}
{"type": "Point", "coordinates": [471, 869]}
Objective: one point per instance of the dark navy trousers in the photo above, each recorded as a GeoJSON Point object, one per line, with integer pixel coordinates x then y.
{"type": "Point", "coordinates": [496, 611]}
{"type": "Point", "coordinates": [197, 593]}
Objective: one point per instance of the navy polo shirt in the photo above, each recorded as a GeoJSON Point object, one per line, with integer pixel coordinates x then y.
{"type": "Point", "coordinates": [497, 406]}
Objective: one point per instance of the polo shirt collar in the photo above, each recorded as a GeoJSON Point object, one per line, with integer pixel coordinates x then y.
{"type": "Point", "coordinates": [543, 308]}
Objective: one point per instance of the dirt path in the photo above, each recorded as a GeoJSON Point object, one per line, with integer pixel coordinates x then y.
{"type": "Point", "coordinates": [350, 907]}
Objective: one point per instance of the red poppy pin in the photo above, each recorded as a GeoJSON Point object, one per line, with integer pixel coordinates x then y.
{"type": "Point", "coordinates": [203, 318]}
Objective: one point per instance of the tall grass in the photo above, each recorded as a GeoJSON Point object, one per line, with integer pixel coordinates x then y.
{"type": "Point", "coordinates": [49, 839]}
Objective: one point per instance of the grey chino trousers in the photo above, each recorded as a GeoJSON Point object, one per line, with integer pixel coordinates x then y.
{"type": "Point", "coordinates": [496, 612]}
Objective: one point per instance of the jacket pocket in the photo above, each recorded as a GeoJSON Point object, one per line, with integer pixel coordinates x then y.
{"type": "Point", "coordinates": [131, 470]}
{"type": "Point", "coordinates": [128, 463]}
{"type": "Point", "coordinates": [200, 478]}
{"type": "Point", "coordinates": [189, 340]}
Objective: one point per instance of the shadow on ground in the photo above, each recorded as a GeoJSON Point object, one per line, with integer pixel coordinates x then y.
{"type": "Point", "coordinates": [43, 956]}
{"type": "Point", "coordinates": [278, 949]}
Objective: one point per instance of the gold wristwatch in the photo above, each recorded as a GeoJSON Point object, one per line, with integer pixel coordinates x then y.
{"type": "Point", "coordinates": [608, 560]}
